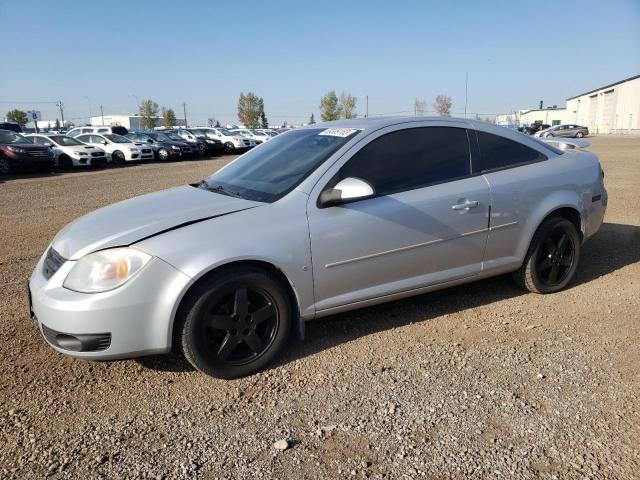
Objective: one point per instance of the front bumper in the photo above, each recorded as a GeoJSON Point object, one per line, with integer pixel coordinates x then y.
{"type": "Point", "coordinates": [132, 320]}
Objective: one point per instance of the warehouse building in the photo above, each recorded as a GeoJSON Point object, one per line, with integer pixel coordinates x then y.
{"type": "Point", "coordinates": [542, 116]}
{"type": "Point", "coordinates": [614, 108]}
{"type": "Point", "coordinates": [128, 121]}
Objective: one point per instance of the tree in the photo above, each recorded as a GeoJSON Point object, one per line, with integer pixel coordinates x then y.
{"type": "Point", "coordinates": [442, 105]}
{"type": "Point", "coordinates": [57, 124]}
{"type": "Point", "coordinates": [18, 116]}
{"type": "Point", "coordinates": [249, 108]}
{"type": "Point", "coordinates": [329, 109]}
{"type": "Point", "coordinates": [149, 112]}
{"type": "Point", "coordinates": [347, 105]}
{"type": "Point", "coordinates": [264, 123]}
{"type": "Point", "coordinates": [218, 124]}
{"type": "Point", "coordinates": [169, 117]}
{"type": "Point", "coordinates": [312, 120]}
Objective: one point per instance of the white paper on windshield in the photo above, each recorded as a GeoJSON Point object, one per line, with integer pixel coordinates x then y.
{"type": "Point", "coordinates": [338, 132]}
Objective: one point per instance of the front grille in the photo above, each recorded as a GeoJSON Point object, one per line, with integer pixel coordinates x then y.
{"type": "Point", "coordinates": [146, 150]}
{"type": "Point", "coordinates": [246, 142]}
{"type": "Point", "coordinates": [134, 155]}
{"type": "Point", "coordinates": [97, 154]}
{"type": "Point", "coordinates": [52, 263]}
{"type": "Point", "coordinates": [87, 342]}
{"type": "Point", "coordinates": [186, 149]}
{"type": "Point", "coordinates": [39, 153]}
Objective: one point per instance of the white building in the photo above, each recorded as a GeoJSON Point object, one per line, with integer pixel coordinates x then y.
{"type": "Point", "coordinates": [129, 121]}
{"type": "Point", "coordinates": [614, 108]}
{"type": "Point", "coordinates": [547, 116]}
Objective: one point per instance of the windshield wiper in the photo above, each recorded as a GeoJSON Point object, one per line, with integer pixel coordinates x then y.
{"type": "Point", "coordinates": [219, 189]}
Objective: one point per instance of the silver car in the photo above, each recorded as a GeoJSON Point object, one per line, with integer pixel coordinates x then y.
{"type": "Point", "coordinates": [319, 220]}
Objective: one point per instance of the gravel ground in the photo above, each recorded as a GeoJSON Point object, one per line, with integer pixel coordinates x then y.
{"type": "Point", "coordinates": [479, 381]}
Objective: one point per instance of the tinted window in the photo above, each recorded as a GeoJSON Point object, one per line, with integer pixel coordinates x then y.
{"type": "Point", "coordinates": [411, 158]}
{"type": "Point", "coordinates": [498, 152]}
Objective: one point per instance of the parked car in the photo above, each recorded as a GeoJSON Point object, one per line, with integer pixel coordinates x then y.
{"type": "Point", "coordinates": [70, 152]}
{"type": "Point", "coordinates": [12, 126]}
{"type": "Point", "coordinates": [164, 149]}
{"type": "Point", "coordinates": [119, 149]}
{"type": "Point", "coordinates": [118, 130]}
{"type": "Point", "coordinates": [197, 143]}
{"type": "Point", "coordinates": [233, 142]}
{"type": "Point", "coordinates": [319, 220]}
{"type": "Point", "coordinates": [214, 145]}
{"type": "Point", "coordinates": [259, 137]}
{"type": "Point", "coordinates": [18, 152]}
{"type": "Point", "coordinates": [532, 129]}
{"type": "Point", "coordinates": [575, 131]}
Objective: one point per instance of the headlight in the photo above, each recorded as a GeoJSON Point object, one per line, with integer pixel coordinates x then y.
{"type": "Point", "coordinates": [17, 149]}
{"type": "Point", "coordinates": [80, 153]}
{"type": "Point", "coordinates": [105, 270]}
{"type": "Point", "coordinates": [175, 147]}
{"type": "Point", "coordinates": [209, 141]}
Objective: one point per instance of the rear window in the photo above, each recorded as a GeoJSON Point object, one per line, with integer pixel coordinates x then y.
{"type": "Point", "coordinates": [498, 152]}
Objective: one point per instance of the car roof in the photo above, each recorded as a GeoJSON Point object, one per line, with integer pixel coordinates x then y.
{"type": "Point", "coordinates": [375, 123]}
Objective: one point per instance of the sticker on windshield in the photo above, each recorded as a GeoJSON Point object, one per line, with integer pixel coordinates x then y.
{"type": "Point", "coordinates": [338, 132]}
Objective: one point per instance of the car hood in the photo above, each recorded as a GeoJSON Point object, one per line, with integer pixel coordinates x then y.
{"type": "Point", "coordinates": [130, 221]}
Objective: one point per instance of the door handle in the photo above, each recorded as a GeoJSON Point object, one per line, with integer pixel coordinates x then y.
{"type": "Point", "coordinates": [466, 205]}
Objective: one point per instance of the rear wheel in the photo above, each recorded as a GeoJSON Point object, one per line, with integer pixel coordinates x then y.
{"type": "Point", "coordinates": [548, 135]}
{"type": "Point", "coordinates": [202, 149]}
{"type": "Point", "coordinates": [235, 323]}
{"type": "Point", "coordinates": [552, 259]}
{"type": "Point", "coordinates": [579, 134]}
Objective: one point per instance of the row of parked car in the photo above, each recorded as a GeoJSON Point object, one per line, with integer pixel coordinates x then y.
{"type": "Point", "coordinates": [97, 146]}
{"type": "Point", "coordinates": [546, 131]}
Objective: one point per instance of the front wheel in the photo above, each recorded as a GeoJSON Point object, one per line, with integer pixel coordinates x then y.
{"type": "Point", "coordinates": [202, 149]}
{"type": "Point", "coordinates": [65, 162]}
{"type": "Point", "coordinates": [5, 167]}
{"type": "Point", "coordinates": [163, 154]}
{"type": "Point", "coordinates": [235, 323]}
{"type": "Point", "coordinates": [552, 259]}
{"type": "Point", "coordinates": [548, 135]}
{"type": "Point", "coordinates": [118, 157]}
{"type": "Point", "coordinates": [229, 147]}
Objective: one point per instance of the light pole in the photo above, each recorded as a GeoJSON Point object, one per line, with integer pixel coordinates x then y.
{"type": "Point", "coordinates": [102, 114]}
{"type": "Point", "coordinates": [184, 110]}
{"type": "Point", "coordinates": [89, 102]}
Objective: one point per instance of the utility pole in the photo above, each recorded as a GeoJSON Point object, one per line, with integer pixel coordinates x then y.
{"type": "Point", "coordinates": [466, 89]}
{"type": "Point", "coordinates": [102, 114]}
{"type": "Point", "coordinates": [367, 114]}
{"type": "Point", "coordinates": [60, 105]}
{"type": "Point", "coordinates": [184, 110]}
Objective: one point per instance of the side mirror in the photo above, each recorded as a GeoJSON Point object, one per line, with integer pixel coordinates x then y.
{"type": "Point", "coordinates": [48, 144]}
{"type": "Point", "coordinates": [150, 141]}
{"type": "Point", "coordinates": [346, 190]}
{"type": "Point", "coordinates": [104, 142]}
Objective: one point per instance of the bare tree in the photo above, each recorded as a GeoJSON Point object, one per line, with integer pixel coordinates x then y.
{"type": "Point", "coordinates": [347, 106]}
{"type": "Point", "coordinates": [442, 105]}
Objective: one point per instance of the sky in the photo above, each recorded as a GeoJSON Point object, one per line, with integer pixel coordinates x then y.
{"type": "Point", "coordinates": [204, 53]}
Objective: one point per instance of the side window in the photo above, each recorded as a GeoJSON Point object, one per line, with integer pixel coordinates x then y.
{"type": "Point", "coordinates": [102, 130]}
{"type": "Point", "coordinates": [40, 140]}
{"type": "Point", "coordinates": [497, 152]}
{"type": "Point", "coordinates": [411, 158]}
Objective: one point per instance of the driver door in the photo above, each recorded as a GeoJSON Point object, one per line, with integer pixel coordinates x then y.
{"type": "Point", "coordinates": [426, 223]}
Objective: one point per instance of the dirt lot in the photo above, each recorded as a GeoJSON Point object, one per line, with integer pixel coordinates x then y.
{"type": "Point", "coordinates": [480, 381]}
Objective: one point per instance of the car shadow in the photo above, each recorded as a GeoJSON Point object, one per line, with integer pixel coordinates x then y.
{"type": "Point", "coordinates": [614, 247]}
{"type": "Point", "coordinates": [30, 174]}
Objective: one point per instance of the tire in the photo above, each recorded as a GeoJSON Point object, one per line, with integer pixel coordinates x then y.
{"type": "Point", "coordinates": [552, 258]}
{"type": "Point", "coordinates": [229, 147]}
{"type": "Point", "coordinates": [65, 162]}
{"type": "Point", "coordinates": [202, 149]}
{"type": "Point", "coordinates": [5, 166]}
{"type": "Point", "coordinates": [163, 155]}
{"type": "Point", "coordinates": [579, 135]}
{"type": "Point", "coordinates": [234, 323]}
{"type": "Point", "coordinates": [548, 135]}
{"type": "Point", "coordinates": [118, 157]}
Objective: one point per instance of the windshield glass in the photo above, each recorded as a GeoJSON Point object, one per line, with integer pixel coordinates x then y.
{"type": "Point", "coordinates": [117, 138]}
{"type": "Point", "coordinates": [64, 141]}
{"type": "Point", "coordinates": [175, 136]}
{"type": "Point", "coordinates": [225, 132]}
{"type": "Point", "coordinates": [160, 137]}
{"type": "Point", "coordinates": [7, 137]}
{"type": "Point", "coordinates": [278, 166]}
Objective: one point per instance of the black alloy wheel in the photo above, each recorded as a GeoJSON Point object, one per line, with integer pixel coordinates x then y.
{"type": "Point", "coordinates": [235, 322]}
{"type": "Point", "coordinates": [552, 258]}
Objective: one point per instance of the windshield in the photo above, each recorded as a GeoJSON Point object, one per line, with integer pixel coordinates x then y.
{"type": "Point", "coordinates": [117, 138]}
{"type": "Point", "coordinates": [278, 166]}
{"type": "Point", "coordinates": [160, 136]}
{"type": "Point", "coordinates": [7, 137]}
{"type": "Point", "coordinates": [64, 141]}
{"type": "Point", "coordinates": [175, 136]}
{"type": "Point", "coordinates": [225, 132]}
